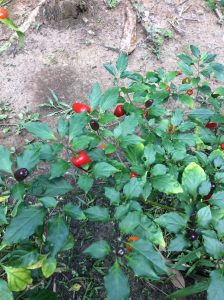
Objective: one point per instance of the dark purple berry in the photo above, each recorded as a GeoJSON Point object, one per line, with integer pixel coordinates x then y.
{"type": "Point", "coordinates": [120, 252]}
{"type": "Point", "coordinates": [192, 235]}
{"type": "Point", "coordinates": [21, 174]}
{"type": "Point", "coordinates": [213, 186]}
{"type": "Point", "coordinates": [94, 125]}
{"type": "Point", "coordinates": [148, 103]}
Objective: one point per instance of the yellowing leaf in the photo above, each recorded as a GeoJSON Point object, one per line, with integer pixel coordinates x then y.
{"type": "Point", "coordinates": [18, 278]}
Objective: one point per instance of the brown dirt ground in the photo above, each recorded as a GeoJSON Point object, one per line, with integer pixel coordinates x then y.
{"type": "Point", "coordinates": [68, 57]}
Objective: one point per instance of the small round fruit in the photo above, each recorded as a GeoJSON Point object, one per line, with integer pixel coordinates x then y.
{"type": "Point", "coordinates": [192, 235]}
{"type": "Point", "coordinates": [120, 252]}
{"type": "Point", "coordinates": [3, 13]}
{"type": "Point", "coordinates": [94, 125]}
{"type": "Point", "coordinates": [81, 159]}
{"type": "Point", "coordinates": [211, 125]}
{"type": "Point", "coordinates": [102, 146]}
{"type": "Point", "coordinates": [79, 107]}
{"type": "Point", "coordinates": [190, 92]}
{"type": "Point", "coordinates": [179, 73]}
{"type": "Point", "coordinates": [222, 146]}
{"type": "Point", "coordinates": [186, 80]}
{"type": "Point", "coordinates": [21, 174]}
{"type": "Point", "coordinates": [133, 174]}
{"type": "Point", "coordinates": [119, 111]}
{"type": "Point", "coordinates": [148, 103]}
{"type": "Point", "coordinates": [132, 238]}
{"type": "Point", "coordinates": [168, 89]}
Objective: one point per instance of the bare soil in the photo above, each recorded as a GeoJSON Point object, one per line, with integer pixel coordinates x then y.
{"type": "Point", "coordinates": [67, 55]}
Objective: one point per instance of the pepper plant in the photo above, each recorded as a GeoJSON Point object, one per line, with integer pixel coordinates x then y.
{"type": "Point", "coordinates": [155, 146]}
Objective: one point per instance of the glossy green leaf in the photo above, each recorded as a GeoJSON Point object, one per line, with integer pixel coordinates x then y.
{"type": "Point", "coordinates": [18, 278]}
{"type": "Point", "coordinates": [173, 221]}
{"type": "Point", "coordinates": [190, 290]}
{"type": "Point", "coordinates": [97, 213]}
{"type": "Point", "coordinates": [130, 222]}
{"type": "Point", "coordinates": [59, 168]}
{"type": "Point", "coordinates": [28, 159]}
{"type": "Point", "coordinates": [214, 247]}
{"type": "Point", "coordinates": [127, 126]}
{"type": "Point", "coordinates": [23, 225]}
{"type": "Point", "coordinates": [49, 267]}
{"type": "Point", "coordinates": [5, 160]}
{"type": "Point", "coordinates": [98, 250]}
{"type": "Point", "coordinates": [185, 99]}
{"type": "Point", "coordinates": [109, 98]}
{"type": "Point", "coordinates": [192, 178]}
{"type": "Point", "coordinates": [112, 195]}
{"type": "Point", "coordinates": [204, 217]}
{"type": "Point", "coordinates": [167, 184]}
{"type": "Point", "coordinates": [77, 123]}
{"type": "Point", "coordinates": [116, 283]}
{"type": "Point", "coordinates": [40, 130]}
{"type": "Point", "coordinates": [95, 94]}
{"type": "Point", "coordinates": [216, 286]}
{"type": "Point", "coordinates": [85, 182]}
{"type": "Point", "coordinates": [122, 63]}
{"type": "Point", "coordinates": [62, 127]}
{"type": "Point", "coordinates": [57, 234]}
{"type": "Point", "coordinates": [48, 202]}
{"type": "Point", "coordinates": [5, 293]}
{"type": "Point", "coordinates": [133, 188]}
{"type": "Point", "coordinates": [74, 212]}
{"type": "Point", "coordinates": [103, 169]}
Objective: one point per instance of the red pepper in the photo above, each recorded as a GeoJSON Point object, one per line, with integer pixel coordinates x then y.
{"type": "Point", "coordinates": [81, 159]}
{"type": "Point", "coordinates": [79, 107]}
{"type": "Point", "coordinates": [133, 174]}
{"type": "Point", "coordinates": [211, 125]}
{"type": "Point", "coordinates": [119, 110]}
{"type": "Point", "coordinates": [3, 13]}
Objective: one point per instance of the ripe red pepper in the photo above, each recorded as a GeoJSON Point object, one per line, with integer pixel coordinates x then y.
{"type": "Point", "coordinates": [79, 107]}
{"type": "Point", "coordinates": [179, 73]}
{"type": "Point", "coordinates": [133, 174]}
{"type": "Point", "coordinates": [3, 13]}
{"type": "Point", "coordinates": [222, 146]}
{"type": "Point", "coordinates": [168, 89]}
{"type": "Point", "coordinates": [190, 92]}
{"type": "Point", "coordinates": [119, 111]}
{"type": "Point", "coordinates": [81, 159]}
{"type": "Point", "coordinates": [211, 125]}
{"type": "Point", "coordinates": [132, 238]}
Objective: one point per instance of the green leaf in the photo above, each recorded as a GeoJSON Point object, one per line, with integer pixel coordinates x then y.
{"type": "Point", "coordinates": [214, 247]}
{"type": "Point", "coordinates": [48, 202]}
{"type": "Point", "coordinates": [149, 154]}
{"type": "Point", "coordinates": [85, 182]}
{"type": "Point", "coordinates": [5, 293]}
{"type": "Point", "coordinates": [104, 169]}
{"type": "Point", "coordinates": [112, 195]}
{"type": "Point", "coordinates": [173, 222]}
{"type": "Point", "coordinates": [57, 234]}
{"type": "Point", "coordinates": [116, 284]}
{"type": "Point", "coordinates": [5, 161]}
{"type": "Point", "coordinates": [192, 178]}
{"type": "Point", "coordinates": [110, 69]}
{"type": "Point", "coordinates": [42, 294]}
{"type": "Point", "coordinates": [178, 244]}
{"type": "Point", "coordinates": [190, 290]}
{"type": "Point", "coordinates": [216, 286]}
{"type": "Point", "coordinates": [77, 123]}
{"type": "Point", "coordinates": [122, 63]}
{"type": "Point", "coordinates": [185, 58]}
{"type": "Point", "coordinates": [109, 99]}
{"type": "Point", "coordinates": [3, 219]}
{"type": "Point", "coordinates": [146, 249]}
{"type": "Point", "coordinates": [18, 278]}
{"type": "Point", "coordinates": [95, 94]}
{"type": "Point", "coordinates": [49, 267]}
{"type": "Point", "coordinates": [166, 184]}
{"type": "Point", "coordinates": [133, 188]}
{"type": "Point", "coordinates": [204, 188]}
{"type": "Point", "coordinates": [40, 130]}
{"type": "Point", "coordinates": [201, 113]}
{"type": "Point", "coordinates": [23, 225]}
{"type": "Point", "coordinates": [62, 127]}
{"type": "Point", "coordinates": [50, 152]}
{"type": "Point", "coordinates": [43, 187]}
{"type": "Point", "coordinates": [98, 249]}
{"type": "Point", "coordinates": [141, 266]}
{"type": "Point", "coordinates": [28, 159]}
{"type": "Point", "coordinates": [130, 222]}
{"type": "Point", "coordinates": [74, 212]}
{"type": "Point", "coordinates": [204, 217]}
{"type": "Point", "coordinates": [218, 70]}
{"type": "Point", "coordinates": [185, 99]}
{"type": "Point", "coordinates": [185, 68]}
{"type": "Point", "coordinates": [97, 213]}
{"type": "Point", "coordinates": [59, 168]}
{"type": "Point", "coordinates": [195, 51]}
{"type": "Point", "coordinates": [127, 126]}
{"type": "Point", "coordinates": [158, 169]}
